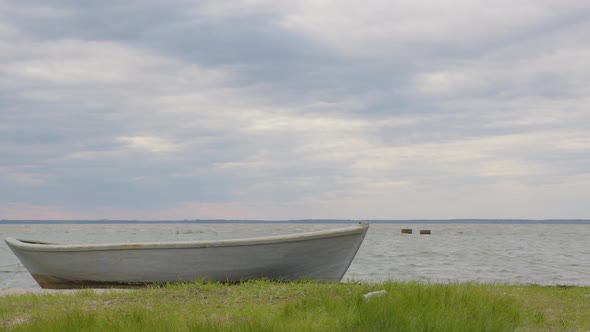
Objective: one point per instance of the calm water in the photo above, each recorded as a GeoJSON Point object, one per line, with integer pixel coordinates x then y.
{"type": "Point", "coordinates": [546, 254]}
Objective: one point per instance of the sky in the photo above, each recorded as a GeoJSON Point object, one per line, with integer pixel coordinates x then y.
{"type": "Point", "coordinates": [265, 109]}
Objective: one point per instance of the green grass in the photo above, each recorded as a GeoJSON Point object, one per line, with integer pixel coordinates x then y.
{"type": "Point", "coordinates": [304, 306]}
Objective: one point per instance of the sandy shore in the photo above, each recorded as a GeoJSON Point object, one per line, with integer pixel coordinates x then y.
{"type": "Point", "coordinates": [18, 291]}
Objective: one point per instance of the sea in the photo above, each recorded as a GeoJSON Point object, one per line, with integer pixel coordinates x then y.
{"type": "Point", "coordinates": [544, 252]}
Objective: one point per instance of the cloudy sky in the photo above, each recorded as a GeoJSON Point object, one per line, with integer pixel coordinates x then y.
{"type": "Point", "coordinates": [265, 109]}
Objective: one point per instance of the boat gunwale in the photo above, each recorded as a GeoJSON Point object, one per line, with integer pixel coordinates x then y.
{"type": "Point", "coordinates": [273, 239]}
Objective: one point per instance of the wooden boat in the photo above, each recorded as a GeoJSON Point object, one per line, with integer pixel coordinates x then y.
{"type": "Point", "coordinates": [320, 255]}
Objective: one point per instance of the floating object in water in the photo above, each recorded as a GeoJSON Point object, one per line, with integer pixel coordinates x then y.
{"type": "Point", "coordinates": [424, 231]}
{"type": "Point", "coordinates": [406, 231]}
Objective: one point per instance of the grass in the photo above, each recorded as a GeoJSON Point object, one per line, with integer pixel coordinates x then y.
{"type": "Point", "coordinates": [304, 306]}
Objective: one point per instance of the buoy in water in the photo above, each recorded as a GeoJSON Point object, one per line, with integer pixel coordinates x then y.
{"type": "Point", "coordinates": [424, 231]}
{"type": "Point", "coordinates": [406, 231]}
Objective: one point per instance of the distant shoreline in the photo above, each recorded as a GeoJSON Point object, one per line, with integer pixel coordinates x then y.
{"type": "Point", "coordinates": [307, 221]}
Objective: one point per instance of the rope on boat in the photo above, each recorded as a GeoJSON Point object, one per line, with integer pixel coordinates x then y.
{"type": "Point", "coordinates": [10, 252]}
{"type": "Point", "coordinates": [513, 257]}
{"type": "Point", "coordinates": [18, 265]}
{"type": "Point", "coordinates": [19, 268]}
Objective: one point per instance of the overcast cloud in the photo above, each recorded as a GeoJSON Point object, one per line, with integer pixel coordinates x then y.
{"type": "Point", "coordinates": [296, 109]}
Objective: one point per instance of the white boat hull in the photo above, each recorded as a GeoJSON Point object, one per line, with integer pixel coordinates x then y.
{"type": "Point", "coordinates": [324, 255]}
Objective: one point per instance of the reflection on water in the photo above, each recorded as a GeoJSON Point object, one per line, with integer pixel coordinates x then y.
{"type": "Point", "coordinates": [516, 254]}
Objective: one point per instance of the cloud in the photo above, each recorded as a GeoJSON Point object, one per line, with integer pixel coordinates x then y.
{"type": "Point", "coordinates": [387, 29]}
{"type": "Point", "coordinates": [258, 109]}
{"type": "Point", "coordinates": [149, 143]}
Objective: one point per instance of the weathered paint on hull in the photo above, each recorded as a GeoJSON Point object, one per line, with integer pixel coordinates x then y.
{"type": "Point", "coordinates": [319, 256]}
